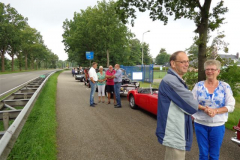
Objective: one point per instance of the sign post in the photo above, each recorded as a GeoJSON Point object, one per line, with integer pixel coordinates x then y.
{"type": "Point", "coordinates": [89, 56]}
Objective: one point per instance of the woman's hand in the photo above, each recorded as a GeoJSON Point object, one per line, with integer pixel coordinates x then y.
{"type": "Point", "coordinates": [210, 111]}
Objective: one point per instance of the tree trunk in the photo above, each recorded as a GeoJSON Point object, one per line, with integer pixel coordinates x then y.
{"type": "Point", "coordinates": [2, 57]}
{"type": "Point", "coordinates": [26, 67]}
{"type": "Point", "coordinates": [202, 47]}
{"type": "Point", "coordinates": [107, 58]}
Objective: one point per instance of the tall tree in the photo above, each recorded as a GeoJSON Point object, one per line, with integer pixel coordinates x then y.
{"type": "Point", "coordinates": [10, 24]}
{"type": "Point", "coordinates": [162, 57]}
{"type": "Point", "coordinates": [97, 29]}
{"type": "Point", "coordinates": [190, 9]}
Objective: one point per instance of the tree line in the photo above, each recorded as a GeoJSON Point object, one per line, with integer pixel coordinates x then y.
{"type": "Point", "coordinates": [100, 30]}
{"type": "Point", "coordinates": [22, 43]}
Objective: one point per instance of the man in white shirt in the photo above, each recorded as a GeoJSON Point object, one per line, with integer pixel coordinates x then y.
{"type": "Point", "coordinates": [93, 82]}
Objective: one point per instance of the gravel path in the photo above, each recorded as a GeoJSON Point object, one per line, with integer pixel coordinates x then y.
{"type": "Point", "coordinates": [107, 133]}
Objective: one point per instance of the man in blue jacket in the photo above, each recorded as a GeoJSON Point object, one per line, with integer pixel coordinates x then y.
{"type": "Point", "coordinates": [175, 107]}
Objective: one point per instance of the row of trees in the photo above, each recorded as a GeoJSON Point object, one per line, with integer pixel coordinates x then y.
{"type": "Point", "coordinates": [18, 39]}
{"type": "Point", "coordinates": [99, 29]}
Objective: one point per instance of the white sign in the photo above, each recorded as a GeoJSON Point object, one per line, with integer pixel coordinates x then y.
{"type": "Point", "coordinates": [137, 75]}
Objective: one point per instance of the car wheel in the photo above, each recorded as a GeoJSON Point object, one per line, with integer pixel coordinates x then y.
{"type": "Point", "coordinates": [132, 102]}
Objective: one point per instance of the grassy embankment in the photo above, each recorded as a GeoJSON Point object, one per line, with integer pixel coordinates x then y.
{"type": "Point", "coordinates": [18, 71]}
{"type": "Point", "coordinates": [38, 137]}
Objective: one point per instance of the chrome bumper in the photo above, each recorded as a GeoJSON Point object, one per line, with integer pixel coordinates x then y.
{"type": "Point", "coordinates": [235, 140]}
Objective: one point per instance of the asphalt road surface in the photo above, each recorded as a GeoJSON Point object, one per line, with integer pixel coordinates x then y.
{"type": "Point", "coordinates": [9, 81]}
{"type": "Point", "coordinates": [107, 133]}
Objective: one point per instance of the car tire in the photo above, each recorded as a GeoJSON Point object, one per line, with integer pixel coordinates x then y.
{"type": "Point", "coordinates": [132, 102]}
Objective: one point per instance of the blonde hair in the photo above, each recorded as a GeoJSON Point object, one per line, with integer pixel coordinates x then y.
{"type": "Point", "coordinates": [212, 62]}
{"type": "Point", "coordinates": [100, 67]}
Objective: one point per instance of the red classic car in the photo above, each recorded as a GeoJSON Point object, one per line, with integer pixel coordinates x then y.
{"type": "Point", "coordinates": [237, 138]}
{"type": "Point", "coordinates": [145, 98]}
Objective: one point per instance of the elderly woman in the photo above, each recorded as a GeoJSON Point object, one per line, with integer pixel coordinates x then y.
{"type": "Point", "coordinates": [216, 100]}
{"type": "Point", "coordinates": [101, 84]}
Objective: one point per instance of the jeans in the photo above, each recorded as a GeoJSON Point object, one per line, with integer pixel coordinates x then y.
{"type": "Point", "coordinates": [209, 141]}
{"type": "Point", "coordinates": [93, 89]}
{"type": "Point", "coordinates": [117, 87]}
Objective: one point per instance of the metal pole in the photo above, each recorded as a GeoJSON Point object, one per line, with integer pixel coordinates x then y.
{"type": "Point", "coordinates": [142, 44]}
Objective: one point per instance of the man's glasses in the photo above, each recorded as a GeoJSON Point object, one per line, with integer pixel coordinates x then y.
{"type": "Point", "coordinates": [183, 62]}
{"type": "Point", "coordinates": [212, 70]}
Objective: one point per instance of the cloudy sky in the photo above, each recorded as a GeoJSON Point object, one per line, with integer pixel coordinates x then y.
{"type": "Point", "coordinates": [47, 17]}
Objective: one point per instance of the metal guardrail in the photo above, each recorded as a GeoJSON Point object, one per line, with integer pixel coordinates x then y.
{"type": "Point", "coordinates": [30, 89]}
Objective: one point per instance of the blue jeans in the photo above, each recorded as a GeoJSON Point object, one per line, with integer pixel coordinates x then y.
{"type": "Point", "coordinates": [93, 89]}
{"type": "Point", "coordinates": [209, 141]}
{"type": "Point", "coordinates": [117, 87]}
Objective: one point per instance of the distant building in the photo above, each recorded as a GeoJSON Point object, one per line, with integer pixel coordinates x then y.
{"type": "Point", "coordinates": [230, 57]}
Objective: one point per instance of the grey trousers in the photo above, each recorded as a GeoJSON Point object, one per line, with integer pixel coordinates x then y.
{"type": "Point", "coordinates": [174, 154]}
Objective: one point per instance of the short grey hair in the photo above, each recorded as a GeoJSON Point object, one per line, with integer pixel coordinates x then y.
{"type": "Point", "coordinates": [100, 67]}
{"type": "Point", "coordinates": [212, 62]}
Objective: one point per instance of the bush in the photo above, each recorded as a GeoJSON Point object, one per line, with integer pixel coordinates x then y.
{"type": "Point", "coordinates": [231, 75]}
{"type": "Point", "coordinates": [191, 78]}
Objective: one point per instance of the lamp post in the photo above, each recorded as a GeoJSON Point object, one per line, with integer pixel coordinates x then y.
{"type": "Point", "coordinates": [142, 44]}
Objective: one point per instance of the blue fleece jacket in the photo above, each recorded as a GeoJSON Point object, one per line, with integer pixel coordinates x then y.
{"type": "Point", "coordinates": [176, 104]}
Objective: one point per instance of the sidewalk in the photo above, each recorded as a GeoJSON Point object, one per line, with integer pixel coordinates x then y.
{"type": "Point", "coordinates": [102, 132]}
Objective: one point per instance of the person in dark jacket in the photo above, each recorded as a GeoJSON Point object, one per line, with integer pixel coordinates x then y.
{"type": "Point", "coordinates": [176, 104]}
{"type": "Point", "coordinates": [73, 72]}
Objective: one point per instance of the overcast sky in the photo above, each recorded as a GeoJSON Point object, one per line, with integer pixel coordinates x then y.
{"type": "Point", "coordinates": [47, 17]}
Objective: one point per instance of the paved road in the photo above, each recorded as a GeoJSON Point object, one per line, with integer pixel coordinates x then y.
{"type": "Point", "coordinates": [107, 133]}
{"type": "Point", "coordinates": [9, 81]}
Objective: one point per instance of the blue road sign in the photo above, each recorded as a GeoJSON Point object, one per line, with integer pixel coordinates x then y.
{"type": "Point", "coordinates": [89, 55]}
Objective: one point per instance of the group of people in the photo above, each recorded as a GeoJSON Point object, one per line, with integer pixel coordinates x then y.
{"type": "Point", "coordinates": [112, 79]}
{"type": "Point", "coordinates": [77, 70]}
{"type": "Point", "coordinates": [208, 103]}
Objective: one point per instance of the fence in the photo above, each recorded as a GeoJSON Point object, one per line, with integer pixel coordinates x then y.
{"type": "Point", "coordinates": [146, 72]}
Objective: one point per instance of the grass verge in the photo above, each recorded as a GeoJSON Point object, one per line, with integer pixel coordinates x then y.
{"type": "Point", "coordinates": [37, 140]}
{"type": "Point", "coordinates": [233, 118]}
{"type": "Point", "coordinates": [18, 71]}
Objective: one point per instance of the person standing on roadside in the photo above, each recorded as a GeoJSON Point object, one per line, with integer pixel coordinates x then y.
{"type": "Point", "coordinates": [101, 84]}
{"type": "Point", "coordinates": [176, 104]}
{"type": "Point", "coordinates": [117, 85]}
{"type": "Point", "coordinates": [93, 82]}
{"type": "Point", "coordinates": [209, 124]}
{"type": "Point", "coordinates": [110, 83]}
{"type": "Point", "coordinates": [73, 72]}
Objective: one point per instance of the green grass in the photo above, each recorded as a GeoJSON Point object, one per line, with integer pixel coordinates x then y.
{"type": "Point", "coordinates": [37, 141]}
{"type": "Point", "coordinates": [18, 71]}
{"type": "Point", "coordinates": [233, 118]}
{"type": "Point", "coordinates": [158, 74]}
{"type": "Point", "coordinates": [147, 85]}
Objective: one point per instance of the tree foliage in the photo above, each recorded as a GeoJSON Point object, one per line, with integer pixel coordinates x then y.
{"type": "Point", "coordinates": [204, 19]}
{"type": "Point", "coordinates": [19, 40]}
{"type": "Point", "coordinates": [162, 57]}
{"type": "Point", "coordinates": [99, 29]}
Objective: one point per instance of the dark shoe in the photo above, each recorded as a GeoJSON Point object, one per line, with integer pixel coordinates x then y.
{"type": "Point", "coordinates": [118, 106]}
{"type": "Point", "coordinates": [92, 105]}
{"type": "Point", "coordinates": [95, 103]}
{"type": "Point", "coordinates": [115, 105]}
